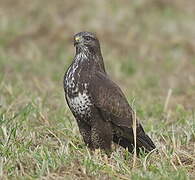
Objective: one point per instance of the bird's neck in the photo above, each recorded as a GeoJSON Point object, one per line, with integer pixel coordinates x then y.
{"type": "Point", "coordinates": [91, 57]}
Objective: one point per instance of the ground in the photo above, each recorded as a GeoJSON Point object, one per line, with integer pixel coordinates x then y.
{"type": "Point", "coordinates": [149, 50]}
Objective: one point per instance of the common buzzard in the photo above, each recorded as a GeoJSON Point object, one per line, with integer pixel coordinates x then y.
{"type": "Point", "coordinates": [97, 103]}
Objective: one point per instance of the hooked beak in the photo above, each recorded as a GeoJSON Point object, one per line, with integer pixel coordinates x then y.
{"type": "Point", "coordinates": [77, 40]}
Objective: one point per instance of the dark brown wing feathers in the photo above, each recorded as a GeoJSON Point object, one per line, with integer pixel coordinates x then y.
{"type": "Point", "coordinates": [113, 107]}
{"type": "Point", "coordinates": [109, 98]}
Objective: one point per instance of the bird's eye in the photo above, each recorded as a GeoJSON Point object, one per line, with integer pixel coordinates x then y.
{"type": "Point", "coordinates": [87, 38]}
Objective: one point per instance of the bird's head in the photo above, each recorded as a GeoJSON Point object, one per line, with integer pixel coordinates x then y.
{"type": "Point", "coordinates": [86, 41]}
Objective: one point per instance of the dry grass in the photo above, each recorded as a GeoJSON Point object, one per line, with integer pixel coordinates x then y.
{"type": "Point", "coordinates": [148, 48]}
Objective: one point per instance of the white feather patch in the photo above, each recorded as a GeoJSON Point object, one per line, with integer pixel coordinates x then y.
{"type": "Point", "coordinates": [80, 104]}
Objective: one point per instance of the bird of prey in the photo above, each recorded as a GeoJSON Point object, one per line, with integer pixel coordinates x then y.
{"type": "Point", "coordinates": [99, 106]}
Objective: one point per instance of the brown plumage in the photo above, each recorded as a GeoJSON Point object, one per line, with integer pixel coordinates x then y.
{"type": "Point", "coordinates": [97, 103]}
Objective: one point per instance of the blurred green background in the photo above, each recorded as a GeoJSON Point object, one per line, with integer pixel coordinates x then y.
{"type": "Point", "coordinates": [149, 50]}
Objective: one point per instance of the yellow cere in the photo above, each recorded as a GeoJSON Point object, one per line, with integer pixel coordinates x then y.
{"type": "Point", "coordinates": [77, 38]}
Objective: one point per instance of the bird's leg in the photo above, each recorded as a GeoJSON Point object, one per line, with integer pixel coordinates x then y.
{"type": "Point", "coordinates": [85, 131]}
{"type": "Point", "coordinates": [101, 134]}
{"type": "Point", "coordinates": [100, 155]}
{"type": "Point", "coordinates": [124, 142]}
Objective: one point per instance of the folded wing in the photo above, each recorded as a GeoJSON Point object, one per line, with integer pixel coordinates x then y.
{"type": "Point", "coordinates": [113, 106]}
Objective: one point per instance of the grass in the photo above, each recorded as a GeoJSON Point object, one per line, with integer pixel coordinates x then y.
{"type": "Point", "coordinates": [149, 50]}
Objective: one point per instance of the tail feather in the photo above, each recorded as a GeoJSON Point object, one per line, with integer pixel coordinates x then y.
{"type": "Point", "coordinates": [143, 141]}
